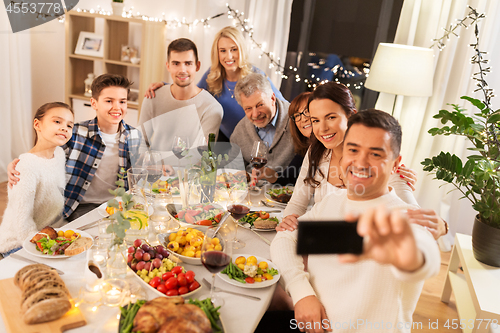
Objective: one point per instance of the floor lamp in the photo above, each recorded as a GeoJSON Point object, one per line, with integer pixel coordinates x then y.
{"type": "Point", "coordinates": [401, 70]}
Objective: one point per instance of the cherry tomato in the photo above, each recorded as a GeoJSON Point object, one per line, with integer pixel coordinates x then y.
{"type": "Point", "coordinates": [193, 212]}
{"type": "Point", "coordinates": [181, 279]}
{"type": "Point", "coordinates": [264, 215]}
{"type": "Point", "coordinates": [204, 222]}
{"type": "Point", "coordinates": [155, 282]}
{"type": "Point", "coordinates": [171, 283]}
{"type": "Point", "coordinates": [177, 270]}
{"type": "Point", "coordinates": [189, 218]}
{"type": "Point", "coordinates": [167, 276]}
{"type": "Point", "coordinates": [193, 286]}
{"type": "Point", "coordinates": [183, 290]}
{"type": "Point", "coordinates": [161, 288]}
{"type": "Point", "coordinates": [190, 276]}
{"type": "Point", "coordinates": [249, 280]}
{"type": "Point", "coordinates": [218, 217]}
{"type": "Point", "coordinates": [207, 208]}
{"type": "Point", "coordinates": [172, 292]}
{"type": "Point", "coordinates": [39, 244]}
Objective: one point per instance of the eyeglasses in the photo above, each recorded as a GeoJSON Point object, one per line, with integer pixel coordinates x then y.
{"type": "Point", "coordinates": [298, 116]}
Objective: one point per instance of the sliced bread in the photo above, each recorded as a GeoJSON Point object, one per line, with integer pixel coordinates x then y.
{"type": "Point", "coordinates": [78, 246]}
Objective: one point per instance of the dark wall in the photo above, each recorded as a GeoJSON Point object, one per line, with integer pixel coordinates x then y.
{"type": "Point", "coordinates": [343, 27]}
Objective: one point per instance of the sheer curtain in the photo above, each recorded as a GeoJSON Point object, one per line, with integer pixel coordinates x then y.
{"type": "Point", "coordinates": [15, 94]}
{"type": "Point", "coordinates": [270, 20]}
{"type": "Point", "coordinates": [452, 79]}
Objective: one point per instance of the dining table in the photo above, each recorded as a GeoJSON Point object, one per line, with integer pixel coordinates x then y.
{"type": "Point", "coordinates": [238, 314]}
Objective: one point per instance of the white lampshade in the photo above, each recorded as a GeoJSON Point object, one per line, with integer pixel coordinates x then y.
{"type": "Point", "coordinates": [402, 70]}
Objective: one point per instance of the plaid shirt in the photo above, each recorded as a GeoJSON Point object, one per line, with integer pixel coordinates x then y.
{"type": "Point", "coordinates": [83, 155]}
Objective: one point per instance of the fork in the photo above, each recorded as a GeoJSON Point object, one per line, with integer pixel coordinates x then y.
{"type": "Point", "coordinates": [217, 289]}
{"type": "Point", "coordinates": [267, 204]}
{"type": "Point", "coordinates": [267, 241]}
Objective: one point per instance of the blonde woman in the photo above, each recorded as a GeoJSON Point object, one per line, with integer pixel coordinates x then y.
{"type": "Point", "coordinates": [229, 64]}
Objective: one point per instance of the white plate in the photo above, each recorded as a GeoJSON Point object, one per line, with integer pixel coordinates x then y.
{"type": "Point", "coordinates": [148, 287]}
{"type": "Point", "coordinates": [102, 210]}
{"type": "Point", "coordinates": [247, 225]}
{"type": "Point", "coordinates": [31, 247]}
{"type": "Point", "coordinates": [255, 285]}
{"type": "Point", "coordinates": [268, 197]}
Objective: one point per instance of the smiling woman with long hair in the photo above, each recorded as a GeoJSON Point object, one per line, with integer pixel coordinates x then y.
{"type": "Point", "coordinates": [329, 107]}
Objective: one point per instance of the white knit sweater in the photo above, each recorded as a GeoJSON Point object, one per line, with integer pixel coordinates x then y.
{"type": "Point", "coordinates": [303, 193]}
{"type": "Point", "coordinates": [36, 201]}
{"type": "Point", "coordinates": [359, 293]}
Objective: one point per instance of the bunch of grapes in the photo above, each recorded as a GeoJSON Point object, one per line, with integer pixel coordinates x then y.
{"type": "Point", "coordinates": [143, 256]}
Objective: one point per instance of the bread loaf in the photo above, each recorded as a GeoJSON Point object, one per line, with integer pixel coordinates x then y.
{"type": "Point", "coordinates": [45, 296]}
{"type": "Point", "coordinates": [78, 246]}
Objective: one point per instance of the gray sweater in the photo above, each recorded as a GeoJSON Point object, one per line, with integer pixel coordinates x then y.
{"type": "Point", "coordinates": [281, 149]}
{"type": "Point", "coordinates": [164, 117]}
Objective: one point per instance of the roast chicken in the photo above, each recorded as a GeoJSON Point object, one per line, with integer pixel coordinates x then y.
{"type": "Point", "coordinates": [162, 315]}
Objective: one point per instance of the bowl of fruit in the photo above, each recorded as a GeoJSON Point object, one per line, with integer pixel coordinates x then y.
{"type": "Point", "coordinates": [185, 244]}
{"type": "Point", "coordinates": [154, 269]}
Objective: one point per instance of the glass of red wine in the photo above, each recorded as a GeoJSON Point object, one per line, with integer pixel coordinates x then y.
{"type": "Point", "coordinates": [259, 156]}
{"type": "Point", "coordinates": [180, 146]}
{"type": "Point", "coordinates": [216, 252]}
{"type": "Point", "coordinates": [238, 210]}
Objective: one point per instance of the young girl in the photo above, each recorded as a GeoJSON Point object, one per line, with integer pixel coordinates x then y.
{"type": "Point", "coordinates": [37, 200]}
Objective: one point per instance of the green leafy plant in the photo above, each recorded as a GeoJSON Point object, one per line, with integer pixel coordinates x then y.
{"type": "Point", "coordinates": [122, 223]}
{"type": "Point", "coordinates": [120, 1]}
{"type": "Point", "coordinates": [478, 178]}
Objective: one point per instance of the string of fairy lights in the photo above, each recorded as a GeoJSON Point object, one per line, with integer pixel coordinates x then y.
{"type": "Point", "coordinates": [339, 72]}
{"type": "Point", "coordinates": [471, 18]}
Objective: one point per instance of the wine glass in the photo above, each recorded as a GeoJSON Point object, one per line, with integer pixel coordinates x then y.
{"type": "Point", "coordinates": [154, 165]}
{"type": "Point", "coordinates": [259, 156]}
{"type": "Point", "coordinates": [216, 254]}
{"type": "Point", "coordinates": [202, 146]}
{"type": "Point", "coordinates": [180, 146]}
{"type": "Point", "coordinates": [238, 210]}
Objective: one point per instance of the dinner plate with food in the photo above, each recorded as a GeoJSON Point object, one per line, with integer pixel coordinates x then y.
{"type": "Point", "coordinates": [58, 243]}
{"type": "Point", "coordinates": [280, 195]}
{"type": "Point", "coordinates": [260, 221]}
{"type": "Point", "coordinates": [249, 271]}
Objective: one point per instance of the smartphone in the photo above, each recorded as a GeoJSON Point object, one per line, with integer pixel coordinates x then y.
{"type": "Point", "coordinates": [328, 237]}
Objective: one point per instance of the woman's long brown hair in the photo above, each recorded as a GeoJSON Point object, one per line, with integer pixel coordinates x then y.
{"type": "Point", "coordinates": [337, 93]}
{"type": "Point", "coordinates": [300, 142]}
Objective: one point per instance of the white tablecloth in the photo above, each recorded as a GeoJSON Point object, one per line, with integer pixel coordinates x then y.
{"type": "Point", "coordinates": [239, 314]}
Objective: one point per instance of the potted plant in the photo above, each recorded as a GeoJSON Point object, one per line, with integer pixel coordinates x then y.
{"type": "Point", "coordinates": [117, 6]}
{"type": "Point", "coordinates": [478, 179]}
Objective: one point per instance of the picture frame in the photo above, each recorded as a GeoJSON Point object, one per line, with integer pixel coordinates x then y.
{"type": "Point", "coordinates": [90, 44]}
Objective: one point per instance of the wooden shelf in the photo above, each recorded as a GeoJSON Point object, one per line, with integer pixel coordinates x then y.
{"type": "Point", "coordinates": [122, 63]}
{"type": "Point", "coordinates": [116, 33]}
{"type": "Point", "coordinates": [84, 57]}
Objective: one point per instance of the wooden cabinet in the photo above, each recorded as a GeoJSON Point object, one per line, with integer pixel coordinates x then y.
{"type": "Point", "coordinates": [147, 36]}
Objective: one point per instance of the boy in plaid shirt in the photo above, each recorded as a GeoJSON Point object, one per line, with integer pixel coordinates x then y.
{"type": "Point", "coordinates": [98, 149]}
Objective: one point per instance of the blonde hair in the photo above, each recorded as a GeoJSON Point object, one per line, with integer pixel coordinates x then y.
{"type": "Point", "coordinates": [217, 72]}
